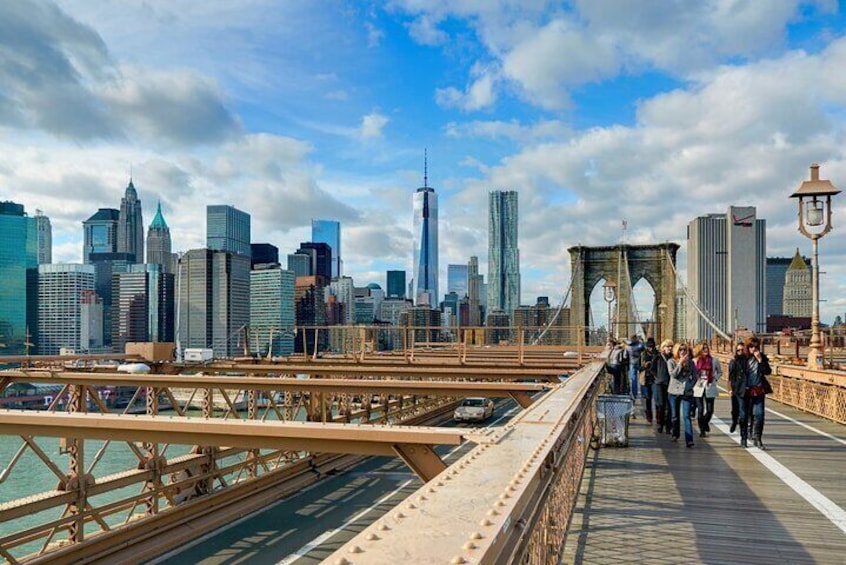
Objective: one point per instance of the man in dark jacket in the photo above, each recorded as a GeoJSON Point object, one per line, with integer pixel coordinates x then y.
{"type": "Point", "coordinates": [752, 403]}
{"type": "Point", "coordinates": [647, 357]}
{"type": "Point", "coordinates": [659, 388]}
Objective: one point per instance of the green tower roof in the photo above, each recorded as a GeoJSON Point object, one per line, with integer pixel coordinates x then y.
{"type": "Point", "coordinates": [159, 222]}
{"type": "Point", "coordinates": [798, 263]}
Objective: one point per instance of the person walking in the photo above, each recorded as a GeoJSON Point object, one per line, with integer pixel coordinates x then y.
{"type": "Point", "coordinates": [646, 377]}
{"type": "Point", "coordinates": [757, 369]}
{"type": "Point", "coordinates": [737, 382]}
{"type": "Point", "coordinates": [705, 391]}
{"type": "Point", "coordinates": [682, 380]}
{"type": "Point", "coordinates": [659, 388]}
{"type": "Point", "coordinates": [633, 351]}
{"type": "Point", "coordinates": [615, 365]}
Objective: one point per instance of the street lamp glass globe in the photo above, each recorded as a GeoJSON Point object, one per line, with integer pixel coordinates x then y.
{"type": "Point", "coordinates": [814, 214]}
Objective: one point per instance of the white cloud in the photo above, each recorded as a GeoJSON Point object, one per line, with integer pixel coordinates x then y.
{"type": "Point", "coordinates": [478, 95]}
{"type": "Point", "coordinates": [372, 125]}
{"type": "Point", "coordinates": [374, 35]}
{"type": "Point", "coordinates": [424, 30]}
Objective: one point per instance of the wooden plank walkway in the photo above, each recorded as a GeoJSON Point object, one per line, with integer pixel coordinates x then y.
{"type": "Point", "coordinates": [659, 502]}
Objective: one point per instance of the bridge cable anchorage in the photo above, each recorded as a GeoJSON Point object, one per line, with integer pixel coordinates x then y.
{"type": "Point", "coordinates": [695, 304]}
{"type": "Point", "coordinates": [564, 299]}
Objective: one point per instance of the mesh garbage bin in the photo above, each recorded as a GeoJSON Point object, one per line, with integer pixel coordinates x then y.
{"type": "Point", "coordinates": [613, 412]}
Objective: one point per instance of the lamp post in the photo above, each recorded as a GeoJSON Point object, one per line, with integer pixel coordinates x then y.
{"type": "Point", "coordinates": [610, 293]}
{"type": "Point", "coordinates": [814, 222]}
{"type": "Point", "coordinates": [662, 312]}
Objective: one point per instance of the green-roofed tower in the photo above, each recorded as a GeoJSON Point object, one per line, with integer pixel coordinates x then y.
{"type": "Point", "coordinates": [158, 242]}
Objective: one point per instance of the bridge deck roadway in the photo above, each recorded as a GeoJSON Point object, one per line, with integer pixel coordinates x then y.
{"type": "Point", "coordinates": [659, 502]}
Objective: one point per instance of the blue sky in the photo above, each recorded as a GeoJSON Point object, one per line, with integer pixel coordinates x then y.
{"type": "Point", "coordinates": [594, 111]}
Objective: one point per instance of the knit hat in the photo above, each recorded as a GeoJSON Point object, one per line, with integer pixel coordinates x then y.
{"type": "Point", "coordinates": [650, 341]}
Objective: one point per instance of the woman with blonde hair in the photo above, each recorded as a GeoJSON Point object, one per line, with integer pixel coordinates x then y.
{"type": "Point", "coordinates": [709, 372]}
{"type": "Point", "coordinates": [682, 380]}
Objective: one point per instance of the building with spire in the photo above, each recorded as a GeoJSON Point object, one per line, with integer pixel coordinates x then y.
{"type": "Point", "coordinates": [130, 229]}
{"type": "Point", "coordinates": [503, 253]}
{"type": "Point", "coordinates": [159, 243]}
{"type": "Point", "coordinates": [425, 242]}
{"type": "Point", "coordinates": [797, 301]}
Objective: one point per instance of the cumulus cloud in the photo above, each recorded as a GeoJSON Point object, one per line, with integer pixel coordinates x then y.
{"type": "Point", "coordinates": [372, 125]}
{"type": "Point", "coordinates": [478, 95]}
{"type": "Point", "coordinates": [59, 78]}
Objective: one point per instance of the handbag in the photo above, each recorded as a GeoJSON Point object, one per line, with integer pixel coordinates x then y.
{"type": "Point", "coordinates": [676, 387]}
{"type": "Point", "coordinates": [768, 388]}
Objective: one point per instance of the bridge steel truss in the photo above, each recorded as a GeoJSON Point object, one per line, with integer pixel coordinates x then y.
{"type": "Point", "coordinates": [185, 473]}
{"type": "Point", "coordinates": [509, 500]}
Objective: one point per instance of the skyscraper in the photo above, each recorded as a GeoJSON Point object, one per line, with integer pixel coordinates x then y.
{"type": "Point", "coordinates": [425, 244]}
{"type": "Point", "coordinates": [18, 261]}
{"type": "Point", "coordinates": [45, 238]}
{"type": "Point", "coordinates": [264, 254]}
{"type": "Point", "coordinates": [776, 273]}
{"type": "Point", "coordinates": [329, 232]}
{"type": "Point", "coordinates": [726, 271]}
{"type": "Point", "coordinates": [396, 284]}
{"type": "Point", "coordinates": [797, 289]}
{"type": "Point", "coordinates": [61, 290]}
{"type": "Point", "coordinates": [457, 280]}
{"type": "Point", "coordinates": [130, 231]}
{"type": "Point", "coordinates": [142, 305]}
{"type": "Point", "coordinates": [228, 229]}
{"type": "Point", "coordinates": [321, 259]}
{"type": "Point", "coordinates": [158, 243]}
{"type": "Point", "coordinates": [100, 233]}
{"type": "Point", "coordinates": [272, 316]}
{"type": "Point", "coordinates": [300, 264]}
{"type": "Point", "coordinates": [503, 253]}
{"type": "Point", "coordinates": [214, 300]}
{"type": "Point", "coordinates": [474, 292]}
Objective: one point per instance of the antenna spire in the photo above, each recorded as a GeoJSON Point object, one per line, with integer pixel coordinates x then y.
{"type": "Point", "coordinates": [425, 168]}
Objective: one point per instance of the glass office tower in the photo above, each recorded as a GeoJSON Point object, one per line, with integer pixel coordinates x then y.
{"type": "Point", "coordinates": [228, 229]}
{"type": "Point", "coordinates": [329, 232]}
{"type": "Point", "coordinates": [425, 246]}
{"type": "Point", "coordinates": [503, 253]}
{"type": "Point", "coordinates": [18, 259]}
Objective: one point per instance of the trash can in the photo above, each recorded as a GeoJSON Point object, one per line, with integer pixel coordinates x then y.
{"type": "Point", "coordinates": [613, 412]}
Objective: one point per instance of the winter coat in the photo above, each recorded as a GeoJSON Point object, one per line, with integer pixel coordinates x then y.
{"type": "Point", "coordinates": [682, 377]}
{"type": "Point", "coordinates": [710, 390]}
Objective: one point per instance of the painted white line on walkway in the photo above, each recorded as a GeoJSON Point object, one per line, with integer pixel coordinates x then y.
{"type": "Point", "coordinates": [835, 514]}
{"type": "Point", "coordinates": [319, 540]}
{"type": "Point", "coordinates": [804, 425]}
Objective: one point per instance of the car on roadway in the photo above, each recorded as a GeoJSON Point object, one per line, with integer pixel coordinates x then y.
{"type": "Point", "coordinates": [474, 410]}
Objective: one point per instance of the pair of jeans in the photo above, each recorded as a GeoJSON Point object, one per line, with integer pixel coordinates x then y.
{"type": "Point", "coordinates": [618, 384]}
{"type": "Point", "coordinates": [680, 409]}
{"type": "Point", "coordinates": [751, 406]}
{"type": "Point", "coordinates": [633, 371]}
{"type": "Point", "coordinates": [705, 409]}
{"type": "Point", "coordinates": [662, 407]}
{"type": "Point", "coordinates": [646, 394]}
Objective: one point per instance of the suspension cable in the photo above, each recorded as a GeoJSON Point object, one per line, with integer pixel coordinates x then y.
{"type": "Point", "coordinates": [563, 302]}
{"type": "Point", "coordinates": [695, 304]}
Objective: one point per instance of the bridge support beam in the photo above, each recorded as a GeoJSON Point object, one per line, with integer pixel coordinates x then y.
{"type": "Point", "coordinates": [421, 459]}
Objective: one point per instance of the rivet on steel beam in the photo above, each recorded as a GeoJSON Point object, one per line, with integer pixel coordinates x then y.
{"type": "Point", "coordinates": [505, 495]}
{"type": "Point", "coordinates": [458, 559]}
{"type": "Point", "coordinates": [372, 537]}
{"type": "Point", "coordinates": [400, 515]}
{"type": "Point", "coordinates": [421, 498]}
{"type": "Point", "coordinates": [486, 522]}
{"type": "Point", "coordinates": [439, 484]}
{"type": "Point", "coordinates": [411, 506]}
{"type": "Point", "coordinates": [343, 561]}
{"type": "Point", "coordinates": [500, 503]}
{"type": "Point", "coordinates": [383, 527]}
{"type": "Point", "coordinates": [356, 549]}
{"type": "Point", "coordinates": [469, 545]}
{"type": "Point", "coordinates": [476, 535]}
{"type": "Point", "coordinates": [493, 512]}
{"type": "Point", "coordinates": [430, 489]}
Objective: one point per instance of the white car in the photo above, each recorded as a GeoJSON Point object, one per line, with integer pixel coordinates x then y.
{"type": "Point", "coordinates": [474, 410]}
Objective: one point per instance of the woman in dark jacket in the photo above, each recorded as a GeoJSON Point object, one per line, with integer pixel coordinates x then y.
{"type": "Point", "coordinates": [757, 368]}
{"type": "Point", "coordinates": [659, 388]}
{"type": "Point", "coordinates": [737, 382]}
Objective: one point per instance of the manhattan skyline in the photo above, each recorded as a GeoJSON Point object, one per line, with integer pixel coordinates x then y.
{"type": "Point", "coordinates": [593, 113]}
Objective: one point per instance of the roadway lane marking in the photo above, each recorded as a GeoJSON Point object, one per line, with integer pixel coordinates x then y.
{"type": "Point", "coordinates": [798, 423]}
{"type": "Point", "coordinates": [835, 514]}
{"type": "Point", "coordinates": [322, 538]}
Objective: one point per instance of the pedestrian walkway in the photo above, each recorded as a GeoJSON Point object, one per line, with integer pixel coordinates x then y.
{"type": "Point", "coordinates": [659, 502]}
